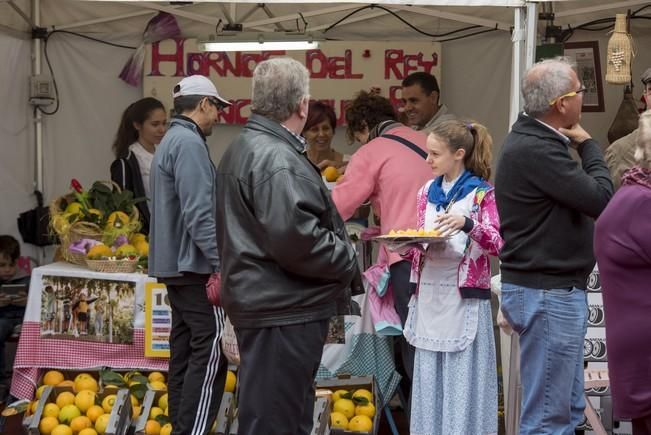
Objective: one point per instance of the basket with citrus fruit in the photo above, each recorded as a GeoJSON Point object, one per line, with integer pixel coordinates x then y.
{"type": "Point", "coordinates": [76, 406]}
{"type": "Point", "coordinates": [102, 213]}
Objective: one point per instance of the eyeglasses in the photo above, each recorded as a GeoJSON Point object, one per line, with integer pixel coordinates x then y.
{"type": "Point", "coordinates": [569, 94]}
{"type": "Point", "coordinates": [215, 102]}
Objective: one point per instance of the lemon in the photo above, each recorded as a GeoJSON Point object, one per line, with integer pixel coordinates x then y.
{"type": "Point", "coordinates": [166, 429]}
{"type": "Point", "coordinates": [53, 377]}
{"type": "Point", "coordinates": [88, 431]}
{"type": "Point", "coordinates": [51, 410]}
{"type": "Point", "coordinates": [39, 392]}
{"type": "Point", "coordinates": [155, 376]}
{"type": "Point", "coordinates": [94, 412]}
{"type": "Point", "coordinates": [84, 400]}
{"type": "Point", "coordinates": [363, 393]}
{"type": "Point", "coordinates": [155, 412]}
{"type": "Point", "coordinates": [101, 423]}
{"type": "Point", "coordinates": [47, 424]}
{"type": "Point", "coordinates": [162, 402]}
{"type": "Point", "coordinates": [86, 384]}
{"type": "Point", "coordinates": [65, 398]}
{"type": "Point", "coordinates": [360, 423]}
{"type": "Point", "coordinates": [337, 395]}
{"type": "Point", "coordinates": [67, 384]}
{"type": "Point", "coordinates": [68, 413]}
{"type": "Point", "coordinates": [338, 420]}
{"type": "Point", "coordinates": [61, 429]}
{"type": "Point", "coordinates": [231, 380]}
{"type": "Point", "coordinates": [367, 410]}
{"type": "Point", "coordinates": [108, 402]}
{"type": "Point", "coordinates": [158, 385]}
{"type": "Point", "coordinates": [345, 406]}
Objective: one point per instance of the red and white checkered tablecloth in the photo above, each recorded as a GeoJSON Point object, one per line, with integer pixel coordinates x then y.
{"type": "Point", "coordinates": [35, 354]}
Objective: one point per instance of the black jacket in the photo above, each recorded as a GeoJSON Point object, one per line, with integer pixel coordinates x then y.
{"type": "Point", "coordinates": [286, 256]}
{"type": "Point", "coordinates": [547, 204]}
{"type": "Point", "coordinates": [126, 173]}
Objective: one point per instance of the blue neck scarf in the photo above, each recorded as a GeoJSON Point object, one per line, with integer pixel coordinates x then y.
{"type": "Point", "coordinates": [464, 185]}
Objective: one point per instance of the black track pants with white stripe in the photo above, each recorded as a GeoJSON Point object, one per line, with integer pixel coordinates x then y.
{"type": "Point", "coordinates": [197, 366]}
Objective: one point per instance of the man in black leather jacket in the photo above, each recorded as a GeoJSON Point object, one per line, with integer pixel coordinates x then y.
{"type": "Point", "coordinates": [286, 258]}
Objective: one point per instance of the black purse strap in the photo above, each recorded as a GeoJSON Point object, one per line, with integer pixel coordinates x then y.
{"type": "Point", "coordinates": [408, 144]}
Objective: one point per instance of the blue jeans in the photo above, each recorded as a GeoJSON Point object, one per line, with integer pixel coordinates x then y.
{"type": "Point", "coordinates": [552, 325]}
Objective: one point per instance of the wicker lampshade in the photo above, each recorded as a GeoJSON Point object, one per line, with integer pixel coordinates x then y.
{"type": "Point", "coordinates": [620, 53]}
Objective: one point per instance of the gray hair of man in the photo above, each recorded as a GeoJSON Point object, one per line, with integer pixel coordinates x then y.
{"type": "Point", "coordinates": [279, 86]}
{"type": "Point", "coordinates": [545, 81]}
{"type": "Point", "coordinates": [643, 144]}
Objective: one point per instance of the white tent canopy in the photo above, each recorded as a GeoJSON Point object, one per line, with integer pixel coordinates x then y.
{"type": "Point", "coordinates": [479, 74]}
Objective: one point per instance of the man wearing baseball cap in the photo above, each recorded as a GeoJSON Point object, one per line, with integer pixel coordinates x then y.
{"type": "Point", "coordinates": [184, 254]}
{"type": "Point", "coordinates": [620, 155]}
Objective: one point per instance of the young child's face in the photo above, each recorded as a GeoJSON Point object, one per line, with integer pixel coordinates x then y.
{"type": "Point", "coordinates": [7, 268]}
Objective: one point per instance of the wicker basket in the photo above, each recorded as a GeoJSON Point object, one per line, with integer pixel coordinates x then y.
{"type": "Point", "coordinates": [80, 230]}
{"type": "Point", "coordinates": [113, 266]}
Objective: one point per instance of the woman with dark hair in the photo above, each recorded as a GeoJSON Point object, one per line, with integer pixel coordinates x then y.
{"type": "Point", "coordinates": [318, 132]}
{"type": "Point", "coordinates": [142, 127]}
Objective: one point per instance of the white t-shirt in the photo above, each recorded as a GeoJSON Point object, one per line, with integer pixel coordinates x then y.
{"type": "Point", "coordinates": [144, 158]}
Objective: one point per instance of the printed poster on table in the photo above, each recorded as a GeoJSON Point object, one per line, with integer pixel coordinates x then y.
{"type": "Point", "coordinates": [158, 321]}
{"type": "Point", "coordinates": [338, 70]}
{"type": "Point", "coordinates": [87, 309]}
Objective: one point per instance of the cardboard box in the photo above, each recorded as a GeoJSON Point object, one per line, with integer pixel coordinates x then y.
{"type": "Point", "coordinates": [321, 418]}
{"type": "Point", "coordinates": [149, 401]}
{"type": "Point", "coordinates": [119, 419]}
{"type": "Point", "coordinates": [344, 382]}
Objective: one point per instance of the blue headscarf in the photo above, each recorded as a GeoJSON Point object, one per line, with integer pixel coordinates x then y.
{"type": "Point", "coordinates": [464, 185]}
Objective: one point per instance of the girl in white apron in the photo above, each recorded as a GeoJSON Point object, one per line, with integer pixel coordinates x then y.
{"type": "Point", "coordinates": [450, 323]}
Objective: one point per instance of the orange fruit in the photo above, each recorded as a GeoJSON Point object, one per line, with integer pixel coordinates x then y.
{"type": "Point", "coordinates": [84, 400]}
{"type": "Point", "coordinates": [80, 423]}
{"type": "Point", "coordinates": [231, 380]}
{"type": "Point", "coordinates": [53, 377]}
{"type": "Point", "coordinates": [65, 398]}
{"type": "Point", "coordinates": [152, 427]}
{"type": "Point", "coordinates": [330, 173]}
{"type": "Point", "coordinates": [47, 425]}
{"type": "Point", "coordinates": [94, 412]}
{"type": "Point", "coordinates": [61, 429]}
{"type": "Point", "coordinates": [69, 384]}
{"type": "Point", "coordinates": [86, 383]}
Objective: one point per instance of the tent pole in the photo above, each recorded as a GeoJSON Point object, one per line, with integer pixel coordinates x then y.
{"type": "Point", "coordinates": [524, 49]}
{"type": "Point", "coordinates": [38, 116]}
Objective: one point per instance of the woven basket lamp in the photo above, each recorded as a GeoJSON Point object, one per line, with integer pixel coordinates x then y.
{"type": "Point", "coordinates": [620, 54]}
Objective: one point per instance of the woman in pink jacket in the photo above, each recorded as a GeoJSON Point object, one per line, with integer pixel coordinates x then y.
{"type": "Point", "coordinates": [450, 323]}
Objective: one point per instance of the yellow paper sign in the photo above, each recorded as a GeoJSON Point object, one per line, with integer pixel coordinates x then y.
{"type": "Point", "coordinates": [158, 321]}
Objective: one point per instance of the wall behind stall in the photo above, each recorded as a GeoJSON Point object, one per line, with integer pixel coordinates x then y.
{"type": "Point", "coordinates": [16, 148]}
{"type": "Point", "coordinates": [77, 140]}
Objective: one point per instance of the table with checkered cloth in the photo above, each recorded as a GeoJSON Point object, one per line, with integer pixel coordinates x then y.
{"type": "Point", "coordinates": [35, 353]}
{"type": "Point", "coordinates": [364, 353]}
